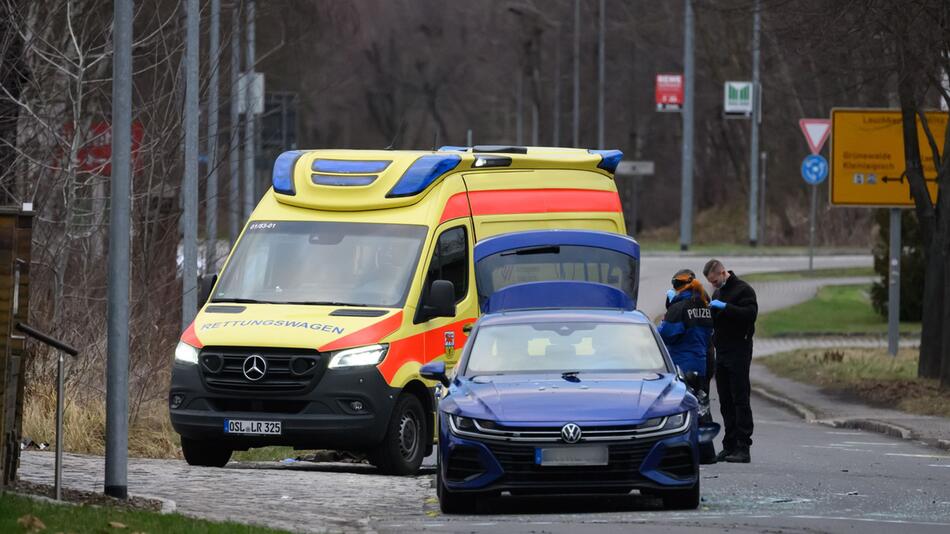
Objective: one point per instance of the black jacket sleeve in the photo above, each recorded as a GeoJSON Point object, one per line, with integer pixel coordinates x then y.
{"type": "Point", "coordinates": [744, 307]}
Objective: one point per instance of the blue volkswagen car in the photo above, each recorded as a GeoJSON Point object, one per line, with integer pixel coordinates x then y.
{"type": "Point", "coordinates": [563, 387]}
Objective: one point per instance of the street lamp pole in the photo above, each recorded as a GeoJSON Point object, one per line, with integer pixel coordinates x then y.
{"type": "Point", "coordinates": [686, 199]}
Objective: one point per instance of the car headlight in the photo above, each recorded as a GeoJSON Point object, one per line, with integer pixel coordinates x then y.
{"type": "Point", "coordinates": [465, 424]}
{"type": "Point", "coordinates": [186, 353]}
{"type": "Point", "coordinates": [675, 421]}
{"type": "Point", "coordinates": [369, 355]}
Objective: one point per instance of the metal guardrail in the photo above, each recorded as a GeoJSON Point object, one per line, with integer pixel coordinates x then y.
{"type": "Point", "coordinates": [62, 348]}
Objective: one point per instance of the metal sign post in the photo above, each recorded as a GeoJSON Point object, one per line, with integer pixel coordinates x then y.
{"type": "Point", "coordinates": [814, 171]}
{"type": "Point", "coordinates": [894, 284]}
{"type": "Point", "coordinates": [634, 170]}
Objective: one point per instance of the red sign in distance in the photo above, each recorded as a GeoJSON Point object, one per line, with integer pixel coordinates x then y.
{"type": "Point", "coordinates": [816, 132]}
{"type": "Point", "coordinates": [669, 92]}
{"type": "Point", "coordinates": [95, 156]}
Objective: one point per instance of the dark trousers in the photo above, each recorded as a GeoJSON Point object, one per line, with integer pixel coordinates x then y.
{"type": "Point", "coordinates": [732, 383]}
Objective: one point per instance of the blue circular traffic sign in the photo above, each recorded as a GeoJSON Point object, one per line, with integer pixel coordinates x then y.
{"type": "Point", "coordinates": [814, 169]}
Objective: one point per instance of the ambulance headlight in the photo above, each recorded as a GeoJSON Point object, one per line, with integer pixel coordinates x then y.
{"type": "Point", "coordinates": [186, 353]}
{"type": "Point", "coordinates": [369, 355]}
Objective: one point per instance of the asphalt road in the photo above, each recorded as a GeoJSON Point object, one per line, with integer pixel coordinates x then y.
{"type": "Point", "coordinates": [804, 478]}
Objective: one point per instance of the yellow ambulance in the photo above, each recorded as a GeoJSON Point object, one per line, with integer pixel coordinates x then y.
{"type": "Point", "coordinates": [354, 270]}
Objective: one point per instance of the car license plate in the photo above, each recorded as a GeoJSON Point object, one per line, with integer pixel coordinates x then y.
{"type": "Point", "coordinates": [564, 456]}
{"type": "Point", "coordinates": [234, 426]}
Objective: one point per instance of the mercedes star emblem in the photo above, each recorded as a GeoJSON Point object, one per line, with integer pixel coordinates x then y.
{"type": "Point", "coordinates": [255, 366]}
{"type": "Point", "coordinates": [571, 433]}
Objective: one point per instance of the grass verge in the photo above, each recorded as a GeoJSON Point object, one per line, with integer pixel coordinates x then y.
{"type": "Point", "coordinates": [84, 425]}
{"type": "Point", "coordinates": [22, 514]}
{"type": "Point", "coordinates": [787, 276]}
{"type": "Point", "coordinates": [871, 375]}
{"type": "Point", "coordinates": [842, 310]}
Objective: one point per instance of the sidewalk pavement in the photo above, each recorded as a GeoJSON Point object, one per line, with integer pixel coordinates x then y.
{"type": "Point", "coordinates": [817, 406]}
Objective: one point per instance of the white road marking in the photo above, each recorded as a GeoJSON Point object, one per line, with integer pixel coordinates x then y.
{"type": "Point", "coordinates": [870, 443]}
{"type": "Point", "coordinates": [839, 448]}
{"type": "Point", "coordinates": [939, 465]}
{"type": "Point", "coordinates": [942, 457]}
{"type": "Point", "coordinates": [845, 433]}
{"type": "Point", "coordinates": [869, 520]}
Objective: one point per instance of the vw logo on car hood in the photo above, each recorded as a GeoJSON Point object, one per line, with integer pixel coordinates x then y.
{"type": "Point", "coordinates": [254, 367]}
{"type": "Point", "coordinates": [571, 433]}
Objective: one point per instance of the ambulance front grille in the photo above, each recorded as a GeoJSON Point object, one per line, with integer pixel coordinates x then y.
{"type": "Point", "coordinates": [287, 370]}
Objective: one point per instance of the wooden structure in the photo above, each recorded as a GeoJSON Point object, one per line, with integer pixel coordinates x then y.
{"type": "Point", "coordinates": [16, 226]}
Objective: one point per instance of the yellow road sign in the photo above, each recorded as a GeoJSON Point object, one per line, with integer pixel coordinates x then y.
{"type": "Point", "coordinates": [867, 157]}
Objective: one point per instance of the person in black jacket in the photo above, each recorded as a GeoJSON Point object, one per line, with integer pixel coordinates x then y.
{"type": "Point", "coordinates": [734, 310]}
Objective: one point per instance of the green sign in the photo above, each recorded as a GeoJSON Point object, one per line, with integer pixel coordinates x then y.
{"type": "Point", "coordinates": [738, 98]}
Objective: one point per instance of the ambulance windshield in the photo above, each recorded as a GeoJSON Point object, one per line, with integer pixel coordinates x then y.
{"type": "Point", "coordinates": [305, 262]}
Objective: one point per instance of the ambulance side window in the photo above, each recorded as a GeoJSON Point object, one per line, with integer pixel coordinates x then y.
{"type": "Point", "coordinates": [450, 261]}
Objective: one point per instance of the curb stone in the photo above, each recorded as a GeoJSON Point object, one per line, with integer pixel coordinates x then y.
{"type": "Point", "coordinates": [795, 407]}
{"type": "Point", "coordinates": [168, 506]}
{"type": "Point", "coordinates": [870, 425]}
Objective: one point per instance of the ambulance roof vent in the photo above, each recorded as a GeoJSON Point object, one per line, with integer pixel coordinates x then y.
{"type": "Point", "coordinates": [422, 173]}
{"type": "Point", "coordinates": [500, 149]}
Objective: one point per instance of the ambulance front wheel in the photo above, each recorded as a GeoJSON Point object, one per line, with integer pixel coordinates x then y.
{"type": "Point", "coordinates": [403, 447]}
{"type": "Point", "coordinates": [204, 453]}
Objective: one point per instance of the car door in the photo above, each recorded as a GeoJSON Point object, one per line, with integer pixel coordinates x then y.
{"type": "Point", "coordinates": [450, 259]}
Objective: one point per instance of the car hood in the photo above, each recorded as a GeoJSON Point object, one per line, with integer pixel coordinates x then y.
{"type": "Point", "coordinates": [552, 399]}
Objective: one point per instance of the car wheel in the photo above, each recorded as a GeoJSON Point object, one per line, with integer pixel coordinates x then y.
{"type": "Point", "coordinates": [687, 499]}
{"type": "Point", "coordinates": [403, 447]}
{"type": "Point", "coordinates": [452, 502]}
{"type": "Point", "coordinates": [204, 453]}
{"type": "Point", "coordinates": [707, 453]}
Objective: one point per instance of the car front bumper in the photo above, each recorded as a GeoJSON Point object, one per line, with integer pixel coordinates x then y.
{"type": "Point", "coordinates": [664, 462]}
{"type": "Point", "coordinates": [321, 416]}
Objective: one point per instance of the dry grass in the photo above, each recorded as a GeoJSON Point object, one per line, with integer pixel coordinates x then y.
{"type": "Point", "coordinates": [871, 375]}
{"type": "Point", "coordinates": [84, 423]}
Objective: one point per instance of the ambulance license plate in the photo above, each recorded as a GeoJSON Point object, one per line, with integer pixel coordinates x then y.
{"type": "Point", "coordinates": [565, 456]}
{"type": "Point", "coordinates": [236, 426]}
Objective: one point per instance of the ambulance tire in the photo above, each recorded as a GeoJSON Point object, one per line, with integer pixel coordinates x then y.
{"type": "Point", "coordinates": [403, 447]}
{"type": "Point", "coordinates": [205, 453]}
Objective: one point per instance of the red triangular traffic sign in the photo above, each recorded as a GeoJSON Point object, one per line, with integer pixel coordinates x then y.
{"type": "Point", "coordinates": [816, 132]}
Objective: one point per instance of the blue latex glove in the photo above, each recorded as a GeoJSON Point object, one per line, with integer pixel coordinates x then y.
{"type": "Point", "coordinates": [670, 295]}
{"type": "Point", "coordinates": [718, 304]}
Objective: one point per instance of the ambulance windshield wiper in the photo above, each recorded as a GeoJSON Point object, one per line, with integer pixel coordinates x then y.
{"type": "Point", "coordinates": [327, 303]}
{"type": "Point", "coordinates": [242, 301]}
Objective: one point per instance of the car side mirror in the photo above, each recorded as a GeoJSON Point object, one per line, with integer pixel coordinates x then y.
{"type": "Point", "coordinates": [205, 285]}
{"type": "Point", "coordinates": [693, 380]}
{"type": "Point", "coordinates": [440, 302]}
{"type": "Point", "coordinates": [435, 371]}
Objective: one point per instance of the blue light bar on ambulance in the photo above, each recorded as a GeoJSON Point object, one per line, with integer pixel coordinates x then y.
{"type": "Point", "coordinates": [283, 176]}
{"type": "Point", "coordinates": [453, 148]}
{"type": "Point", "coordinates": [349, 167]}
{"type": "Point", "coordinates": [609, 159]}
{"type": "Point", "coordinates": [422, 173]}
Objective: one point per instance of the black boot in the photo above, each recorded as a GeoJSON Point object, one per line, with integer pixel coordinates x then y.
{"type": "Point", "coordinates": [740, 456]}
{"type": "Point", "coordinates": [721, 457]}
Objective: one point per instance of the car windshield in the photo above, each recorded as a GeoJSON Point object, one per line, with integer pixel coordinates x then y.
{"type": "Point", "coordinates": [306, 262]}
{"type": "Point", "coordinates": [564, 347]}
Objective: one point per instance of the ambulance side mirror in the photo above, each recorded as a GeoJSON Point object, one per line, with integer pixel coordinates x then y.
{"type": "Point", "coordinates": [440, 301]}
{"type": "Point", "coordinates": [205, 285]}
